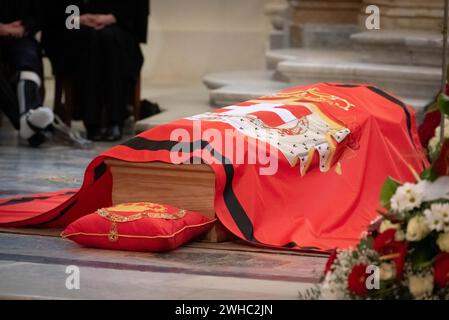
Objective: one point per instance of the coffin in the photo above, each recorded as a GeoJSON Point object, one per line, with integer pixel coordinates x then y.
{"type": "Point", "coordinates": [331, 147]}
{"type": "Point", "coordinates": [190, 187]}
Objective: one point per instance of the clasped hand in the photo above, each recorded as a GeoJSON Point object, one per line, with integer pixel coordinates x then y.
{"type": "Point", "coordinates": [97, 21]}
{"type": "Point", "coordinates": [13, 29]}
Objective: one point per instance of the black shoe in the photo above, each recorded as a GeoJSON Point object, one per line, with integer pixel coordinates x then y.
{"type": "Point", "coordinates": [95, 134]}
{"type": "Point", "coordinates": [113, 133]}
{"type": "Point", "coordinates": [148, 109]}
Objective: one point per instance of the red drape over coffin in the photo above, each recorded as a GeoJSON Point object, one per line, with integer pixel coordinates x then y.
{"type": "Point", "coordinates": [334, 144]}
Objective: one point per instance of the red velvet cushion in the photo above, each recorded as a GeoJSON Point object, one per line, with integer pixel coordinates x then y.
{"type": "Point", "coordinates": [141, 226]}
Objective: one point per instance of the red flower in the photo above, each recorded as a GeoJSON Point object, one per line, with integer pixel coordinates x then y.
{"type": "Point", "coordinates": [330, 261]}
{"type": "Point", "coordinates": [401, 250]}
{"type": "Point", "coordinates": [357, 279]}
{"type": "Point", "coordinates": [384, 240]}
{"type": "Point", "coordinates": [441, 270]}
{"type": "Point", "coordinates": [385, 245]}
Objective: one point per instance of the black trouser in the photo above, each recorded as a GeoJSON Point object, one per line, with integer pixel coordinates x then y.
{"type": "Point", "coordinates": [22, 54]}
{"type": "Point", "coordinates": [8, 102]}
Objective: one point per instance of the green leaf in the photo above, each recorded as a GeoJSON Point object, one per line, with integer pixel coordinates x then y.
{"type": "Point", "coordinates": [365, 243]}
{"type": "Point", "coordinates": [428, 174]}
{"type": "Point", "coordinates": [423, 253]}
{"type": "Point", "coordinates": [443, 103]}
{"type": "Point", "coordinates": [388, 190]}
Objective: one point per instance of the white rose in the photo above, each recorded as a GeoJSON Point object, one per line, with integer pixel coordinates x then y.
{"type": "Point", "coordinates": [420, 286]}
{"type": "Point", "coordinates": [387, 271]}
{"type": "Point", "coordinates": [417, 229]}
{"type": "Point", "coordinates": [443, 242]}
{"type": "Point", "coordinates": [387, 224]}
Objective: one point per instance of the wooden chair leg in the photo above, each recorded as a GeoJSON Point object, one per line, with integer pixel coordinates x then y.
{"type": "Point", "coordinates": [63, 89]}
{"type": "Point", "coordinates": [57, 102]}
{"type": "Point", "coordinates": [68, 101]}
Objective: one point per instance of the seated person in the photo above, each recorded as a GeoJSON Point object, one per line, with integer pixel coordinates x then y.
{"type": "Point", "coordinates": [19, 50]}
{"type": "Point", "coordinates": [102, 58]}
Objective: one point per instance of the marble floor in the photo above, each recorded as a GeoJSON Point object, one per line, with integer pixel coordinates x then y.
{"type": "Point", "coordinates": [33, 266]}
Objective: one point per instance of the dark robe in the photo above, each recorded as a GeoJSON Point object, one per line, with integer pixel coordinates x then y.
{"type": "Point", "coordinates": [103, 64]}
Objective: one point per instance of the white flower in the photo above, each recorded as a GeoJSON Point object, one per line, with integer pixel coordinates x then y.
{"type": "Point", "coordinates": [407, 197]}
{"type": "Point", "coordinates": [433, 144]}
{"type": "Point", "coordinates": [387, 224]}
{"type": "Point", "coordinates": [442, 209]}
{"type": "Point", "coordinates": [331, 290]}
{"type": "Point", "coordinates": [434, 220]}
{"type": "Point", "coordinates": [417, 229]}
{"type": "Point", "coordinates": [446, 129]}
{"type": "Point", "coordinates": [420, 286]}
{"type": "Point", "coordinates": [443, 242]}
{"type": "Point", "coordinates": [399, 235]}
{"type": "Point", "coordinates": [387, 271]}
{"type": "Point", "coordinates": [437, 216]}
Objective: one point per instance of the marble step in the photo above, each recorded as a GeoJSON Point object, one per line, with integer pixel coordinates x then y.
{"type": "Point", "coordinates": [235, 93]}
{"type": "Point", "coordinates": [405, 47]}
{"type": "Point", "coordinates": [403, 80]}
{"type": "Point", "coordinates": [220, 79]}
{"type": "Point", "coordinates": [234, 90]}
{"type": "Point", "coordinates": [274, 57]}
{"type": "Point", "coordinates": [227, 88]}
{"type": "Point", "coordinates": [323, 35]}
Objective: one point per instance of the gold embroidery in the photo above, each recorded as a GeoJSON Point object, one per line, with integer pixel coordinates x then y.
{"type": "Point", "coordinates": [338, 168]}
{"type": "Point", "coordinates": [119, 218]}
{"type": "Point", "coordinates": [299, 136]}
{"type": "Point", "coordinates": [113, 233]}
{"type": "Point", "coordinates": [146, 210]}
{"type": "Point", "coordinates": [138, 207]}
{"type": "Point", "coordinates": [313, 95]}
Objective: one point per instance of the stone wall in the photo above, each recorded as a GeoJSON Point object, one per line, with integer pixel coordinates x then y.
{"type": "Point", "coordinates": [394, 14]}
{"type": "Point", "coordinates": [407, 14]}
{"type": "Point", "coordinates": [190, 38]}
{"type": "Point", "coordinates": [328, 21]}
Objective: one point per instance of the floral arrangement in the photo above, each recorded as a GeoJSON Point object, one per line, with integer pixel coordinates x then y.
{"type": "Point", "coordinates": [405, 253]}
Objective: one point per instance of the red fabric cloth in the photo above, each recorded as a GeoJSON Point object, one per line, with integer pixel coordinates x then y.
{"type": "Point", "coordinates": [141, 232]}
{"type": "Point", "coordinates": [322, 208]}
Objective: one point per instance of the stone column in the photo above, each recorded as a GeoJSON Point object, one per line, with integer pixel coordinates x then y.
{"type": "Point", "coordinates": [276, 10]}
{"type": "Point", "coordinates": [407, 14]}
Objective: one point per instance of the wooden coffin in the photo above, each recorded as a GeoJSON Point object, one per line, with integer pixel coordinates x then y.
{"type": "Point", "coordinates": [190, 187]}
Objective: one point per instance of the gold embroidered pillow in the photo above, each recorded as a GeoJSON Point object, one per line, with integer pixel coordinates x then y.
{"type": "Point", "coordinates": [140, 226]}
